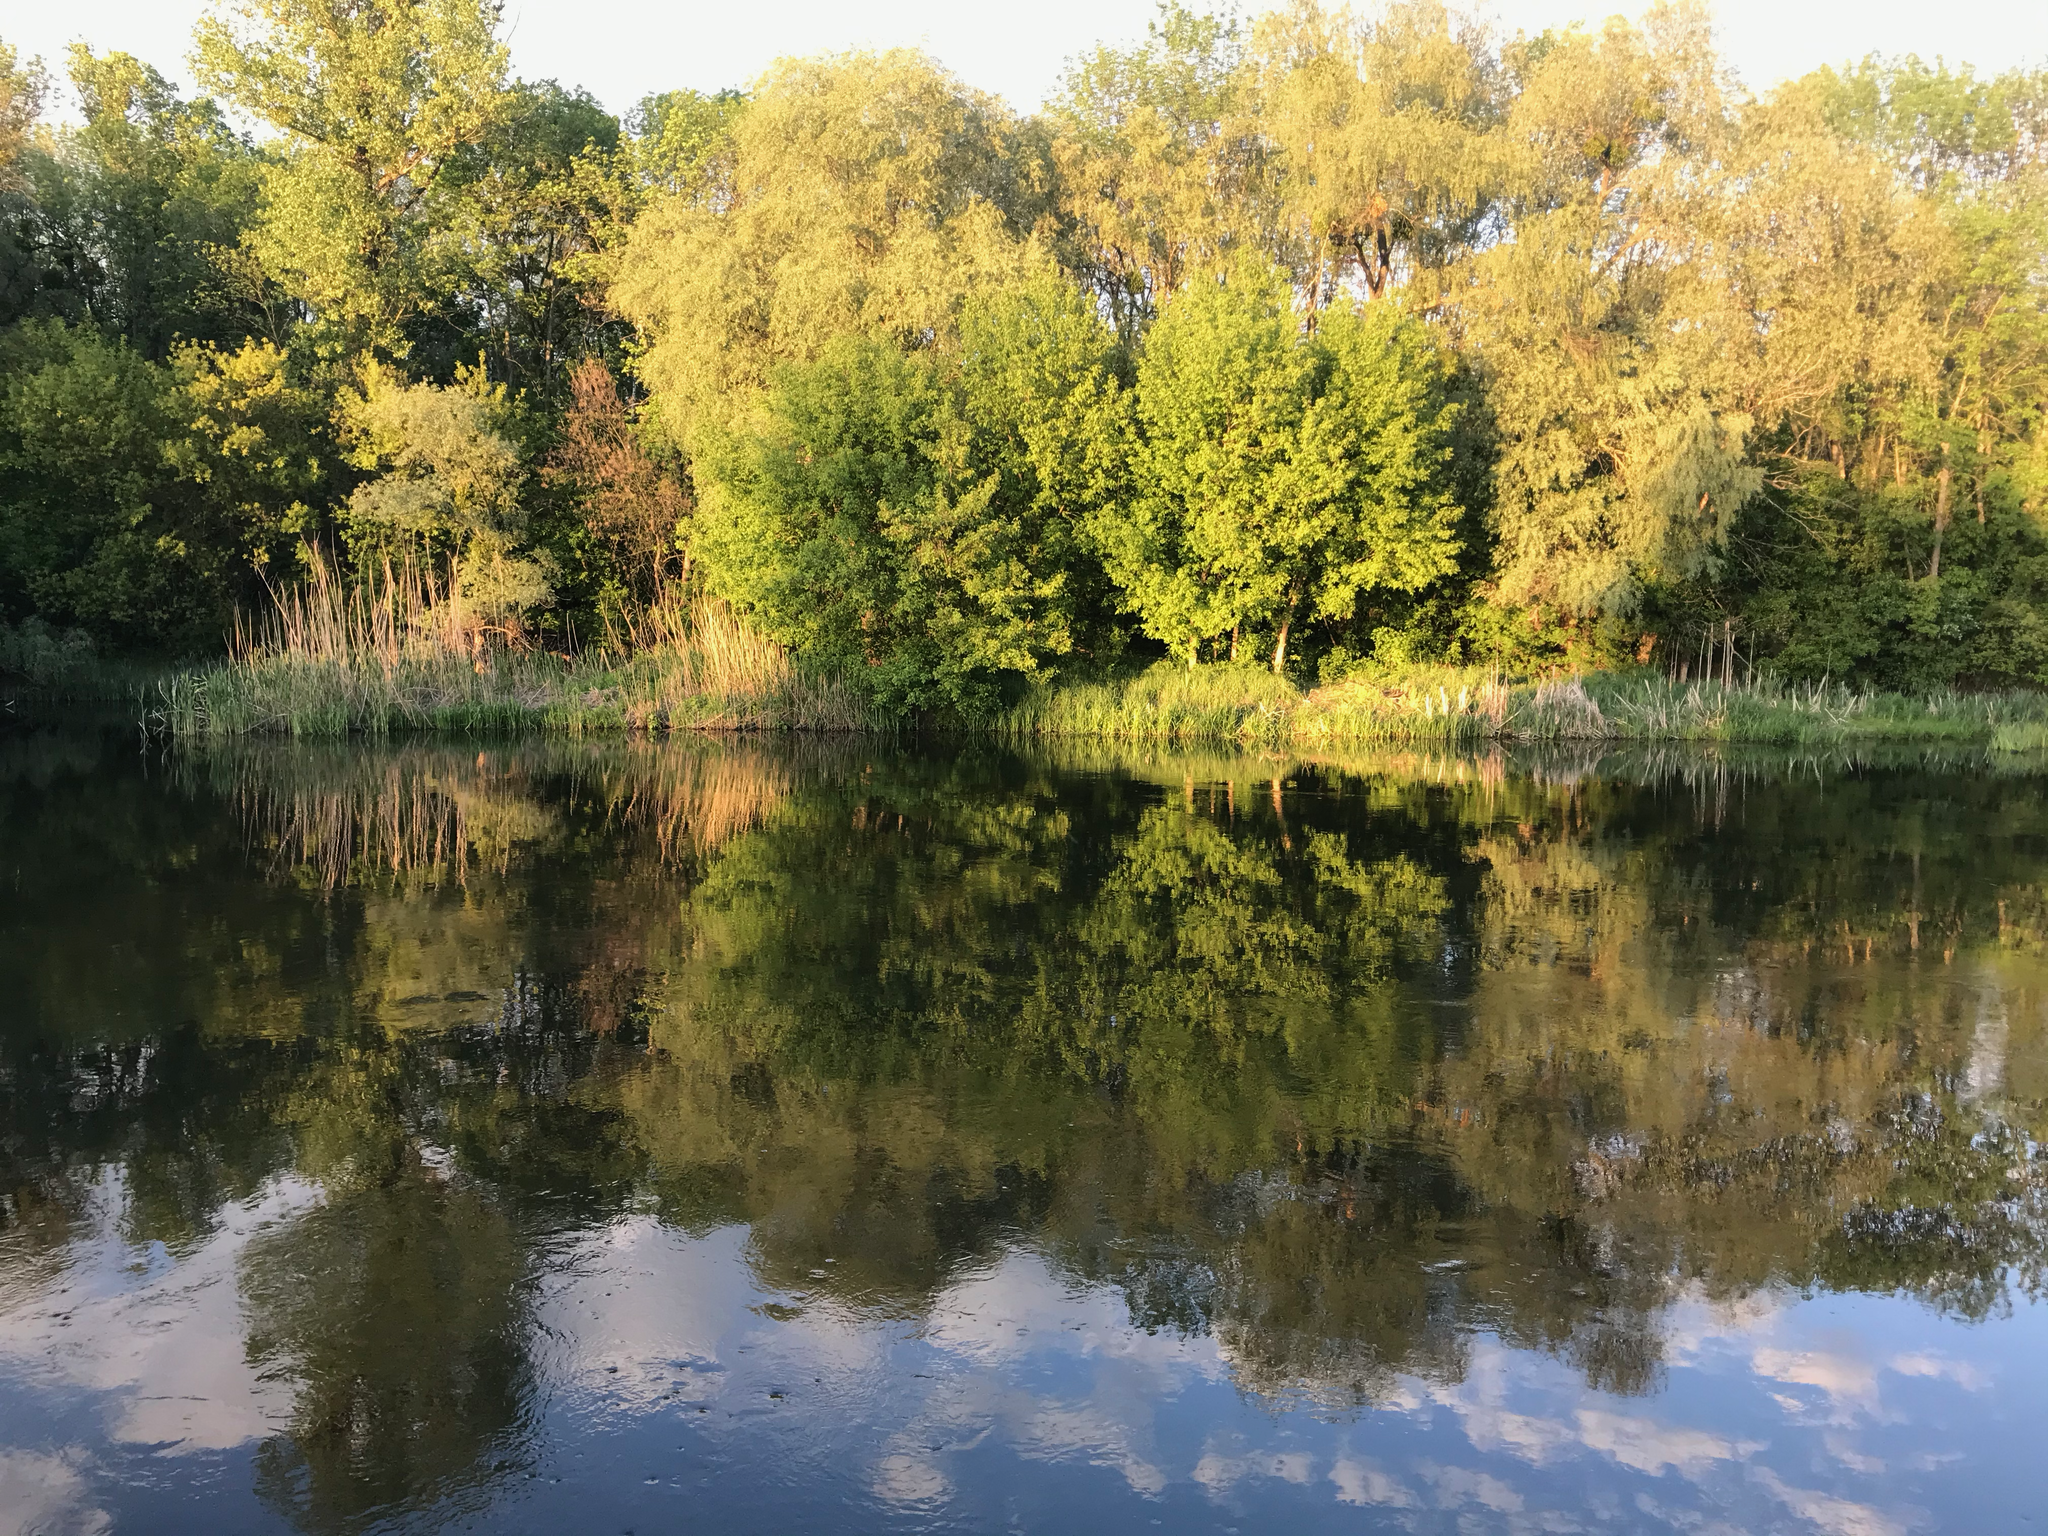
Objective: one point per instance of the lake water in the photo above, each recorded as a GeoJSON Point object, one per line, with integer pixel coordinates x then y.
{"type": "Point", "coordinates": [743, 1137]}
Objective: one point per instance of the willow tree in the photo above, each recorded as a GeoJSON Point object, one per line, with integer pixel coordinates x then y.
{"type": "Point", "coordinates": [1279, 475]}
{"type": "Point", "coordinates": [1620, 457]}
{"type": "Point", "coordinates": [870, 193]}
{"type": "Point", "coordinates": [1380, 133]}
{"type": "Point", "coordinates": [373, 101]}
{"type": "Point", "coordinates": [1162, 171]}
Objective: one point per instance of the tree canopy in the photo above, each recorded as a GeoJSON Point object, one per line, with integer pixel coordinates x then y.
{"type": "Point", "coordinates": [1320, 338]}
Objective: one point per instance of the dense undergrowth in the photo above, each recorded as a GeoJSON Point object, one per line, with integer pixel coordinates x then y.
{"type": "Point", "coordinates": [399, 657]}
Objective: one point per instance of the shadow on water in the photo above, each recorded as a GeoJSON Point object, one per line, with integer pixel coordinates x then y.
{"type": "Point", "coordinates": [1340, 1065]}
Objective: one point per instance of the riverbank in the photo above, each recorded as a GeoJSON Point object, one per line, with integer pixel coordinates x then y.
{"type": "Point", "coordinates": [720, 677]}
{"type": "Point", "coordinates": [338, 666]}
{"type": "Point", "coordinates": [675, 688]}
{"type": "Point", "coordinates": [1462, 707]}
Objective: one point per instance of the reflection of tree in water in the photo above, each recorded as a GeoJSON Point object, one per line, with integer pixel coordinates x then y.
{"type": "Point", "coordinates": [1333, 1066]}
{"type": "Point", "coordinates": [396, 1310]}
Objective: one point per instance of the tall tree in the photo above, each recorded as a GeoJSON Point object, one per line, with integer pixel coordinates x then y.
{"type": "Point", "coordinates": [1162, 173]}
{"type": "Point", "coordinates": [373, 100]}
{"type": "Point", "coordinates": [870, 194]}
{"type": "Point", "coordinates": [145, 206]}
{"type": "Point", "coordinates": [1381, 135]}
{"type": "Point", "coordinates": [1621, 456]}
{"type": "Point", "coordinates": [1279, 474]}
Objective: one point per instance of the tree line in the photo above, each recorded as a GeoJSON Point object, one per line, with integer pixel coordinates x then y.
{"type": "Point", "coordinates": [1317, 341]}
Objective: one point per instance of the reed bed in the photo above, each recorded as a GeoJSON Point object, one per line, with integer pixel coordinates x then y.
{"type": "Point", "coordinates": [1463, 708]}
{"type": "Point", "coordinates": [397, 653]}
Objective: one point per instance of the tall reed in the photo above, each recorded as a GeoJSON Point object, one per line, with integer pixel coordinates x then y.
{"type": "Point", "coordinates": [396, 651]}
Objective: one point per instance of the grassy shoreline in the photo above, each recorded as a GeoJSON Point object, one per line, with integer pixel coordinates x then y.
{"type": "Point", "coordinates": [1469, 707]}
{"type": "Point", "coordinates": [724, 680]}
{"type": "Point", "coordinates": [340, 664]}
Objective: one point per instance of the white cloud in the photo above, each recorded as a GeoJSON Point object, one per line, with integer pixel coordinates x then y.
{"type": "Point", "coordinates": [160, 1335]}
{"type": "Point", "coordinates": [1362, 1482]}
{"type": "Point", "coordinates": [1850, 1383]}
{"type": "Point", "coordinates": [1456, 1486]}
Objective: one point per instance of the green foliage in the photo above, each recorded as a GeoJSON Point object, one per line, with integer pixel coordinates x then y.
{"type": "Point", "coordinates": [914, 517]}
{"type": "Point", "coordinates": [139, 500]}
{"type": "Point", "coordinates": [871, 193]}
{"type": "Point", "coordinates": [446, 477]}
{"type": "Point", "coordinates": [683, 145]}
{"type": "Point", "coordinates": [1279, 475]}
{"type": "Point", "coordinates": [1358, 342]}
{"type": "Point", "coordinates": [373, 103]}
{"type": "Point", "coordinates": [87, 535]}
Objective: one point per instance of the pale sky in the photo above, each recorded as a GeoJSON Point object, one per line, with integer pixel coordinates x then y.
{"type": "Point", "coordinates": [622, 49]}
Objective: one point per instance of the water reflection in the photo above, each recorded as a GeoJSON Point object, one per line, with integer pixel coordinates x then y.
{"type": "Point", "coordinates": [835, 1133]}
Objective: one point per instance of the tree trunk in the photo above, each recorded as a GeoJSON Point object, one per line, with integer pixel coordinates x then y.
{"type": "Point", "coordinates": [1727, 653]}
{"type": "Point", "coordinates": [1942, 484]}
{"type": "Point", "coordinates": [1233, 642]}
{"type": "Point", "coordinates": [1983, 455]}
{"type": "Point", "coordinates": [1280, 645]}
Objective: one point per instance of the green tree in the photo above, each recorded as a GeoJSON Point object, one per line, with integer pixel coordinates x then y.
{"type": "Point", "coordinates": [1622, 457]}
{"type": "Point", "coordinates": [373, 102]}
{"type": "Point", "coordinates": [22, 87]}
{"type": "Point", "coordinates": [22, 90]}
{"type": "Point", "coordinates": [870, 194]}
{"type": "Point", "coordinates": [914, 516]}
{"type": "Point", "coordinates": [528, 208]}
{"type": "Point", "coordinates": [447, 479]}
{"type": "Point", "coordinates": [683, 143]}
{"type": "Point", "coordinates": [1279, 474]}
{"type": "Point", "coordinates": [1162, 174]}
{"type": "Point", "coordinates": [1381, 135]}
{"type": "Point", "coordinates": [143, 209]}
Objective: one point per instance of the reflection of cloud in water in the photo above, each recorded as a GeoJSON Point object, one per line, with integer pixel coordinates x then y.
{"type": "Point", "coordinates": [1017, 1306]}
{"type": "Point", "coordinates": [996, 1317]}
{"type": "Point", "coordinates": [1652, 1447]}
{"type": "Point", "coordinates": [45, 1496]}
{"type": "Point", "coordinates": [1836, 1516]}
{"type": "Point", "coordinates": [1364, 1482]}
{"type": "Point", "coordinates": [1219, 1469]}
{"type": "Point", "coordinates": [1456, 1486]}
{"type": "Point", "coordinates": [162, 1336]}
{"type": "Point", "coordinates": [635, 1319]}
{"type": "Point", "coordinates": [1849, 1383]}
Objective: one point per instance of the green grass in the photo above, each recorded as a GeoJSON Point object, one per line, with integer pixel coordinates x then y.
{"type": "Point", "coordinates": [1462, 707]}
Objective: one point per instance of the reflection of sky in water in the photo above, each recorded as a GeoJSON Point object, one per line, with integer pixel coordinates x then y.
{"type": "Point", "coordinates": [671, 1388]}
{"type": "Point", "coordinates": [807, 1172]}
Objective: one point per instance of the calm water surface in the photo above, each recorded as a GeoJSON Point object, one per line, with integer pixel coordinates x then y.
{"type": "Point", "coordinates": [744, 1138]}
